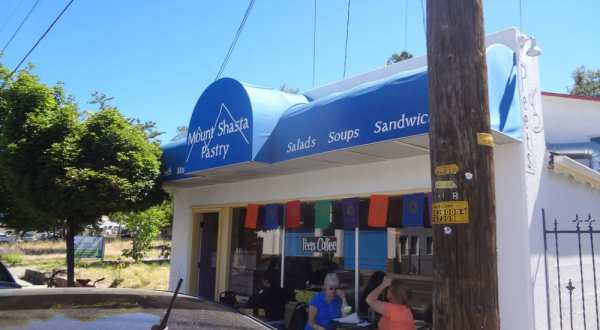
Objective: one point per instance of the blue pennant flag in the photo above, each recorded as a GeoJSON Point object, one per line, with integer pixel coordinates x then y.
{"type": "Point", "coordinates": [412, 210]}
{"type": "Point", "coordinates": [273, 215]}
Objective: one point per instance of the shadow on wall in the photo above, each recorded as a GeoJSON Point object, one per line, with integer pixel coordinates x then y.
{"type": "Point", "coordinates": [565, 292]}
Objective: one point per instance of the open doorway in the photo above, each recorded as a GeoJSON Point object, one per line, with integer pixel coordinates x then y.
{"type": "Point", "coordinates": [207, 260]}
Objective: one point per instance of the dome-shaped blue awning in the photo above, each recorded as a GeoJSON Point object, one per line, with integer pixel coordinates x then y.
{"type": "Point", "coordinates": [387, 109]}
{"type": "Point", "coordinates": [234, 123]}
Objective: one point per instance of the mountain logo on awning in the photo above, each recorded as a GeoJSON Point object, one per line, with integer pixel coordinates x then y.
{"type": "Point", "coordinates": [221, 127]}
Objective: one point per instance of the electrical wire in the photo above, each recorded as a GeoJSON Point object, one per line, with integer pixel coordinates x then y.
{"type": "Point", "coordinates": [14, 11]}
{"type": "Point", "coordinates": [20, 25]}
{"type": "Point", "coordinates": [314, 44]}
{"type": "Point", "coordinates": [235, 39]}
{"type": "Point", "coordinates": [406, 26]}
{"type": "Point", "coordinates": [41, 38]}
{"type": "Point", "coordinates": [424, 18]}
{"type": "Point", "coordinates": [347, 33]}
{"type": "Point", "coordinates": [521, 15]}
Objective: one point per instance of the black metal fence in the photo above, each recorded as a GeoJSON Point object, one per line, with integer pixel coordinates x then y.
{"type": "Point", "coordinates": [572, 282]}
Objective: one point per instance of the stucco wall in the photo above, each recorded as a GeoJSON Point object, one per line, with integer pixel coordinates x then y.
{"type": "Point", "coordinates": [568, 120]}
{"type": "Point", "coordinates": [402, 176]}
{"type": "Point", "coordinates": [563, 198]}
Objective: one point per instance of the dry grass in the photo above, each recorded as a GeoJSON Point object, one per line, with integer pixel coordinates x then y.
{"type": "Point", "coordinates": [49, 255]}
{"type": "Point", "coordinates": [146, 276]}
{"type": "Point", "coordinates": [140, 275]}
{"type": "Point", "coordinates": [33, 251]}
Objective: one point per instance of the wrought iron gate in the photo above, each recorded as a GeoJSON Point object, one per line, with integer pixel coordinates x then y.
{"type": "Point", "coordinates": [574, 282]}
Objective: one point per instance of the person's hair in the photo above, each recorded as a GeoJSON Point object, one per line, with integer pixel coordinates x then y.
{"type": "Point", "coordinates": [374, 281]}
{"type": "Point", "coordinates": [331, 279]}
{"type": "Point", "coordinates": [400, 293]}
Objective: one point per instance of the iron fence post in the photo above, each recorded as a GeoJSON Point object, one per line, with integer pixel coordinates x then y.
{"type": "Point", "coordinates": [590, 220]}
{"type": "Point", "coordinates": [558, 273]}
{"type": "Point", "coordinates": [546, 270]}
{"type": "Point", "coordinates": [570, 287]}
{"type": "Point", "coordinates": [578, 221]}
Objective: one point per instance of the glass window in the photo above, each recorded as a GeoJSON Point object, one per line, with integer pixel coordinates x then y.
{"type": "Point", "coordinates": [414, 245]}
{"type": "Point", "coordinates": [429, 249]}
{"type": "Point", "coordinates": [254, 256]}
{"type": "Point", "coordinates": [410, 251]}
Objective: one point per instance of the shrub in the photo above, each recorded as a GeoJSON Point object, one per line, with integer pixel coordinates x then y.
{"type": "Point", "coordinates": [12, 258]}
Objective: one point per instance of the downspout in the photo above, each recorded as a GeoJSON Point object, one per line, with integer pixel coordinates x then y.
{"type": "Point", "coordinates": [588, 150]}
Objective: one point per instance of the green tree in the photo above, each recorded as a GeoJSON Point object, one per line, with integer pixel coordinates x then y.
{"type": "Point", "coordinates": [71, 167]}
{"type": "Point", "coordinates": [395, 58]}
{"type": "Point", "coordinates": [585, 82]}
{"type": "Point", "coordinates": [144, 227]}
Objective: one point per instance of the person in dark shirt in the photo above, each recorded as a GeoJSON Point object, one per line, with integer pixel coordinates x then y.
{"type": "Point", "coordinates": [272, 299]}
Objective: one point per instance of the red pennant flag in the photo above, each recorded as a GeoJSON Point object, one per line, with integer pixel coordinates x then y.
{"type": "Point", "coordinates": [251, 216]}
{"type": "Point", "coordinates": [378, 210]}
{"type": "Point", "coordinates": [292, 214]}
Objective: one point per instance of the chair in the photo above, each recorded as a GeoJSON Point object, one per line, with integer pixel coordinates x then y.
{"type": "Point", "coordinates": [228, 298]}
{"type": "Point", "coordinates": [299, 317]}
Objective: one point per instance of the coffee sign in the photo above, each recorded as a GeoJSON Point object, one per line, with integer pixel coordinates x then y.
{"type": "Point", "coordinates": [319, 244]}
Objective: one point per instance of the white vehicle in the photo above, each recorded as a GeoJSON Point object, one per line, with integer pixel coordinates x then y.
{"type": "Point", "coordinates": [7, 238]}
{"type": "Point", "coordinates": [30, 236]}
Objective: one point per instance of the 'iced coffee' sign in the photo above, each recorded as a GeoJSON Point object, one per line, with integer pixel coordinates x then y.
{"type": "Point", "coordinates": [319, 244]}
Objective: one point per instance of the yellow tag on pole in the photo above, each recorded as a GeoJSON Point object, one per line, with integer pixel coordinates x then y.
{"type": "Point", "coordinates": [450, 212]}
{"type": "Point", "coordinates": [445, 184]}
{"type": "Point", "coordinates": [448, 169]}
{"type": "Point", "coordinates": [485, 139]}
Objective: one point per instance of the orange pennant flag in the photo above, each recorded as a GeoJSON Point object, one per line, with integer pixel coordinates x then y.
{"type": "Point", "coordinates": [378, 210]}
{"type": "Point", "coordinates": [251, 216]}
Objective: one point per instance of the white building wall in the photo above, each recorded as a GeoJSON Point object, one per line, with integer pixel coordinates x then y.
{"type": "Point", "coordinates": [566, 120]}
{"type": "Point", "coordinates": [400, 176]}
{"type": "Point", "coordinates": [563, 198]}
{"type": "Point", "coordinates": [569, 120]}
{"type": "Point", "coordinates": [523, 187]}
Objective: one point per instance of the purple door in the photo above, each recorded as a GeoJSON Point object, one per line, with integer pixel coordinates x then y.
{"type": "Point", "coordinates": [208, 255]}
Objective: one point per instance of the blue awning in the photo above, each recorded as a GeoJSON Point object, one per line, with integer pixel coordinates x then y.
{"type": "Point", "coordinates": [231, 122]}
{"type": "Point", "coordinates": [387, 109]}
{"type": "Point", "coordinates": [235, 123]}
{"type": "Point", "coordinates": [173, 161]}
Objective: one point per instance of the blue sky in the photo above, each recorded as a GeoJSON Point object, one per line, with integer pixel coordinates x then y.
{"type": "Point", "coordinates": [156, 57]}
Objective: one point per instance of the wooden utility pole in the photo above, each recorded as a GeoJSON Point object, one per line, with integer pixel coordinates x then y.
{"type": "Point", "coordinates": [462, 163]}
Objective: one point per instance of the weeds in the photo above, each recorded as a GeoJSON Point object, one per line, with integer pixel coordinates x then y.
{"type": "Point", "coordinates": [12, 259]}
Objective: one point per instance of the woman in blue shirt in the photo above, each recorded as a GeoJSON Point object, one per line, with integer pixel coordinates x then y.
{"type": "Point", "coordinates": [326, 305]}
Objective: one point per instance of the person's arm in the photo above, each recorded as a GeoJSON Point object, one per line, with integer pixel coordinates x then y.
{"type": "Point", "coordinates": [312, 315]}
{"type": "Point", "coordinates": [372, 299]}
{"type": "Point", "coordinates": [340, 293]}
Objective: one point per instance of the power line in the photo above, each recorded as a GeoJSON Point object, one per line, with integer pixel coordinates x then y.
{"type": "Point", "coordinates": [314, 44]}
{"type": "Point", "coordinates": [11, 15]}
{"type": "Point", "coordinates": [521, 15]}
{"type": "Point", "coordinates": [346, 48]}
{"type": "Point", "coordinates": [42, 37]}
{"type": "Point", "coordinates": [406, 26]}
{"type": "Point", "coordinates": [235, 39]}
{"type": "Point", "coordinates": [424, 18]}
{"type": "Point", "coordinates": [21, 24]}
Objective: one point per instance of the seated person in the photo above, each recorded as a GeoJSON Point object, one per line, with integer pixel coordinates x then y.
{"type": "Point", "coordinates": [326, 305]}
{"type": "Point", "coordinates": [271, 298]}
{"type": "Point", "coordinates": [396, 313]}
{"type": "Point", "coordinates": [374, 281]}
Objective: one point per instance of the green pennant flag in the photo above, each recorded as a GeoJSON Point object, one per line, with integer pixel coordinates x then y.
{"type": "Point", "coordinates": [322, 214]}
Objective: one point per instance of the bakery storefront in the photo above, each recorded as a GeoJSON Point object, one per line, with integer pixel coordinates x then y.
{"type": "Point", "coordinates": [292, 186]}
